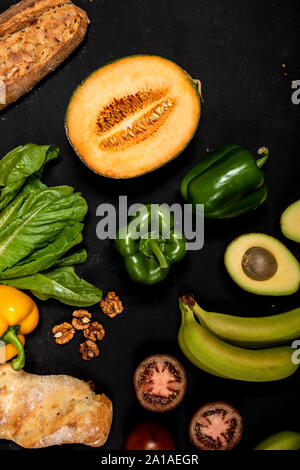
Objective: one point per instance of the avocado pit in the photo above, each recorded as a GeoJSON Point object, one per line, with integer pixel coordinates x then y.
{"type": "Point", "coordinates": [259, 264]}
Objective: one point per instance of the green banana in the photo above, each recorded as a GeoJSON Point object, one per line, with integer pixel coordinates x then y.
{"type": "Point", "coordinates": [250, 332]}
{"type": "Point", "coordinates": [225, 360]}
{"type": "Point", "coordinates": [286, 440]}
{"type": "Point", "coordinates": [184, 348]}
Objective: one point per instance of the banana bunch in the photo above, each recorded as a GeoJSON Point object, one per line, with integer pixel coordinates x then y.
{"type": "Point", "coordinates": [218, 343]}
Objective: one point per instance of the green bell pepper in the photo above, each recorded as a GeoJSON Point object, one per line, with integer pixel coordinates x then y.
{"type": "Point", "coordinates": [228, 181]}
{"type": "Point", "coordinates": [149, 244]}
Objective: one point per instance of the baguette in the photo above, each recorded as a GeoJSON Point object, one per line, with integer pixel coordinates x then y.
{"type": "Point", "coordinates": [40, 411]}
{"type": "Point", "coordinates": [36, 36]}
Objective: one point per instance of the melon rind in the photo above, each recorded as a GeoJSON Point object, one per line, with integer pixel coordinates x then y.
{"type": "Point", "coordinates": [113, 173]}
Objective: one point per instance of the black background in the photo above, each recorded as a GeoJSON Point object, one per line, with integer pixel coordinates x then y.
{"type": "Point", "coordinates": [236, 48]}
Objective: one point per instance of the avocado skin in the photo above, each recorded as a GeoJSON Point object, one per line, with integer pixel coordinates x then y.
{"type": "Point", "coordinates": [262, 287]}
{"type": "Point", "coordinates": [290, 223]}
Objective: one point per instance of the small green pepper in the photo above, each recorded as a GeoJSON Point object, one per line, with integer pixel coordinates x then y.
{"type": "Point", "coordinates": [228, 181]}
{"type": "Point", "coordinates": [148, 253]}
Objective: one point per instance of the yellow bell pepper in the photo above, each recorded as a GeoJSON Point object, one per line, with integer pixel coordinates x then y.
{"type": "Point", "coordinates": [19, 316]}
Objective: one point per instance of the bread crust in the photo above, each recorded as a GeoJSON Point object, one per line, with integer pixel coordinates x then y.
{"type": "Point", "coordinates": [40, 411]}
{"type": "Point", "coordinates": [36, 36]}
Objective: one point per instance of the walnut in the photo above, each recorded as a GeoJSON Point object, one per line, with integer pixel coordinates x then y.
{"type": "Point", "coordinates": [112, 305]}
{"type": "Point", "coordinates": [88, 350]}
{"type": "Point", "coordinates": [81, 319]}
{"type": "Point", "coordinates": [94, 332]}
{"type": "Point", "coordinates": [63, 333]}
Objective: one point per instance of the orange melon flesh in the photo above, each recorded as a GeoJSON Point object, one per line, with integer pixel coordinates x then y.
{"type": "Point", "coordinates": [132, 116]}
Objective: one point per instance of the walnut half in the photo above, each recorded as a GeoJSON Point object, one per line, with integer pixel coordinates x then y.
{"type": "Point", "coordinates": [112, 305]}
{"type": "Point", "coordinates": [63, 333]}
{"type": "Point", "coordinates": [94, 332]}
{"type": "Point", "coordinates": [88, 350]}
{"type": "Point", "coordinates": [81, 320]}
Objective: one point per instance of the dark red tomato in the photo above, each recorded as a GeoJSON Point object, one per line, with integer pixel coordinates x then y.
{"type": "Point", "coordinates": [149, 435]}
{"type": "Point", "coordinates": [160, 382]}
{"type": "Point", "coordinates": [216, 426]}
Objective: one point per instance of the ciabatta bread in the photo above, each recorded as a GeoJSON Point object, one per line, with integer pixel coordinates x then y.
{"type": "Point", "coordinates": [36, 36]}
{"type": "Point", "coordinates": [39, 411]}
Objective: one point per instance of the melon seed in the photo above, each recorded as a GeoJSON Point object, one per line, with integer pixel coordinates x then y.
{"type": "Point", "coordinates": [120, 109]}
{"type": "Point", "coordinates": [139, 129]}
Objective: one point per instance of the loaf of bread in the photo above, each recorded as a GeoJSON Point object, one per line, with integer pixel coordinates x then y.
{"type": "Point", "coordinates": [36, 36]}
{"type": "Point", "coordinates": [39, 411]}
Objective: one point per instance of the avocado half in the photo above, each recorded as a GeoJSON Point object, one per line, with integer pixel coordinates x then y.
{"type": "Point", "coordinates": [261, 264]}
{"type": "Point", "coordinates": [290, 222]}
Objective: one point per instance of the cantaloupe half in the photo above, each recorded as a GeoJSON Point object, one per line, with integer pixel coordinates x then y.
{"type": "Point", "coordinates": [290, 221]}
{"type": "Point", "coordinates": [133, 115]}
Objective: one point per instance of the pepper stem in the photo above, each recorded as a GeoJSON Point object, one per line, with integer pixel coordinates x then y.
{"type": "Point", "coordinates": [11, 336]}
{"type": "Point", "coordinates": [264, 152]}
{"type": "Point", "coordinates": [153, 246]}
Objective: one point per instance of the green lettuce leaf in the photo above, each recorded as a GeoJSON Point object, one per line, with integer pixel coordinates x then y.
{"type": "Point", "coordinates": [11, 210]}
{"type": "Point", "coordinates": [48, 256]}
{"type": "Point", "coordinates": [78, 257]}
{"type": "Point", "coordinates": [19, 164]}
{"type": "Point", "coordinates": [38, 222]}
{"type": "Point", "coordinates": [38, 228]}
{"type": "Point", "coordinates": [24, 161]}
{"type": "Point", "coordinates": [61, 284]}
